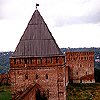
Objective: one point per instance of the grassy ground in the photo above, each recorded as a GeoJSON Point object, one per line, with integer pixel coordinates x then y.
{"type": "Point", "coordinates": [5, 93]}
{"type": "Point", "coordinates": [83, 92]}
{"type": "Point", "coordinates": [74, 92]}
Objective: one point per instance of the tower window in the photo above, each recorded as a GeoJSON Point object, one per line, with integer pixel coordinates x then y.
{"type": "Point", "coordinates": [84, 58]}
{"type": "Point", "coordinates": [76, 73]}
{"type": "Point", "coordinates": [46, 76]}
{"type": "Point", "coordinates": [37, 76]}
{"type": "Point", "coordinates": [73, 58]}
{"type": "Point", "coordinates": [26, 76]}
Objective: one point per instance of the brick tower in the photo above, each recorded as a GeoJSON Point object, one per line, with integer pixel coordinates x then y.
{"type": "Point", "coordinates": [37, 67]}
{"type": "Point", "coordinates": [80, 67]}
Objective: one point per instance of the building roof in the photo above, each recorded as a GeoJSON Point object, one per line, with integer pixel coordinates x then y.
{"type": "Point", "coordinates": [37, 40]}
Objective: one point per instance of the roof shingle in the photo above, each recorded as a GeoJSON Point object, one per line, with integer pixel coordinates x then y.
{"type": "Point", "coordinates": [37, 40]}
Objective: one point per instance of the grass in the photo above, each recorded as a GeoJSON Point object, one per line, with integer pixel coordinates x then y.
{"type": "Point", "coordinates": [5, 93]}
{"type": "Point", "coordinates": [74, 92]}
{"type": "Point", "coordinates": [83, 92]}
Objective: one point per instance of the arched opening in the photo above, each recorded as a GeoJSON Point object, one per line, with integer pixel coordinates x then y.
{"type": "Point", "coordinates": [40, 95]}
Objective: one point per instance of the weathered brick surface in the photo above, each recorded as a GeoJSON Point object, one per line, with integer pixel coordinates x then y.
{"type": "Point", "coordinates": [81, 64]}
{"type": "Point", "coordinates": [49, 73]}
{"type": "Point", "coordinates": [4, 78]}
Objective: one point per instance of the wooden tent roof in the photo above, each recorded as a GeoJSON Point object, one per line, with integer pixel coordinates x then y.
{"type": "Point", "coordinates": [37, 40]}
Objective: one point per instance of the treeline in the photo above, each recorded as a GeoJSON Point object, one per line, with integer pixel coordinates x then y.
{"type": "Point", "coordinates": [4, 61]}
{"type": "Point", "coordinates": [4, 58]}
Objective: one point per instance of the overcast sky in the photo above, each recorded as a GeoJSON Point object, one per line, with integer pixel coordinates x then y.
{"type": "Point", "coordinates": [73, 23]}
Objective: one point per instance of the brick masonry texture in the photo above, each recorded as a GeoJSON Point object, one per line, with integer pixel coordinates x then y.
{"type": "Point", "coordinates": [80, 67]}
{"type": "Point", "coordinates": [48, 73]}
{"type": "Point", "coordinates": [4, 79]}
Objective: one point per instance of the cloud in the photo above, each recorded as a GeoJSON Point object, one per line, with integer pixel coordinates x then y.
{"type": "Point", "coordinates": [2, 1]}
{"type": "Point", "coordinates": [72, 11]}
{"type": "Point", "coordinates": [15, 9]}
{"type": "Point", "coordinates": [76, 35]}
{"type": "Point", "coordinates": [3, 4]}
{"type": "Point", "coordinates": [64, 20]}
{"type": "Point", "coordinates": [1, 12]}
{"type": "Point", "coordinates": [71, 14]}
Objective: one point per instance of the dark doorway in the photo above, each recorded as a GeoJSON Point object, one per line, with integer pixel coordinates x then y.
{"type": "Point", "coordinates": [40, 96]}
{"type": "Point", "coordinates": [80, 81]}
{"type": "Point", "coordinates": [70, 81]}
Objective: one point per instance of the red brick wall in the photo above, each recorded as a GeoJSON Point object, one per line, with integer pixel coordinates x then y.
{"type": "Point", "coordinates": [30, 95]}
{"type": "Point", "coordinates": [48, 72]}
{"type": "Point", "coordinates": [4, 78]}
{"type": "Point", "coordinates": [80, 64]}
